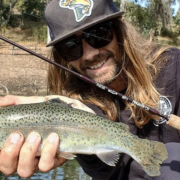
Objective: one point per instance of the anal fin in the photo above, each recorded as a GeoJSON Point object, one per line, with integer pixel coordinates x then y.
{"type": "Point", "coordinates": [110, 157]}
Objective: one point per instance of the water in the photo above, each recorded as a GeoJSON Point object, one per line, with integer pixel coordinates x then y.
{"type": "Point", "coordinates": [69, 171]}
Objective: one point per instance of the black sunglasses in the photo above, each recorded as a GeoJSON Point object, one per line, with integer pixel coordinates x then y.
{"type": "Point", "coordinates": [97, 36]}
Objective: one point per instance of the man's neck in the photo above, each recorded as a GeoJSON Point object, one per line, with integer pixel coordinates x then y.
{"type": "Point", "coordinates": [119, 84]}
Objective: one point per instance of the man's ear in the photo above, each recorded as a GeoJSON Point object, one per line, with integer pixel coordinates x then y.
{"type": "Point", "coordinates": [123, 19]}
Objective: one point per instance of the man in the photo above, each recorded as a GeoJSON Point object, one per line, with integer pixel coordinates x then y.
{"type": "Point", "coordinates": [92, 38]}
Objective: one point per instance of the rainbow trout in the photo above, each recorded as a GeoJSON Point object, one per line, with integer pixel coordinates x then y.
{"type": "Point", "coordinates": [81, 133]}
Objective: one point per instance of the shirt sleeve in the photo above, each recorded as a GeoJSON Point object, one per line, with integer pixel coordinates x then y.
{"type": "Point", "coordinates": [168, 81]}
{"type": "Point", "coordinates": [177, 104]}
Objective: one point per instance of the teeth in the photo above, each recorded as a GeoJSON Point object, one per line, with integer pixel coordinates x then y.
{"type": "Point", "coordinates": [97, 65]}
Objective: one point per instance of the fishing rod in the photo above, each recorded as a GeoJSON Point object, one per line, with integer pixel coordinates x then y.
{"type": "Point", "coordinates": [171, 120]}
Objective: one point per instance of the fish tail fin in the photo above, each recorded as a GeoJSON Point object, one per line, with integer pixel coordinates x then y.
{"type": "Point", "coordinates": [155, 154]}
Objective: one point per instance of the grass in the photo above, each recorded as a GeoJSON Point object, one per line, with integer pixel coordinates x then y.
{"type": "Point", "coordinates": [169, 41]}
{"type": "Point", "coordinates": [17, 35]}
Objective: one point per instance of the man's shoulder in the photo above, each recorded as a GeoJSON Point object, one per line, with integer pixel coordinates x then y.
{"type": "Point", "coordinates": [167, 82]}
{"type": "Point", "coordinates": [169, 74]}
{"type": "Point", "coordinates": [172, 54]}
{"type": "Point", "coordinates": [171, 58]}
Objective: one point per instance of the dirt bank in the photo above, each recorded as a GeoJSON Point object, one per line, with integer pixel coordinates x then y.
{"type": "Point", "coordinates": [22, 75]}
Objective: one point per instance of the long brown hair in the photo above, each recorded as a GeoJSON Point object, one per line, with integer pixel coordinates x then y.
{"type": "Point", "coordinates": [142, 61]}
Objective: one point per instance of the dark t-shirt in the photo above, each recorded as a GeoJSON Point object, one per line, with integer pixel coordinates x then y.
{"type": "Point", "coordinates": [168, 84]}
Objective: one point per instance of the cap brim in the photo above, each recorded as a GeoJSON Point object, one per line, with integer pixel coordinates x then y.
{"type": "Point", "coordinates": [118, 14]}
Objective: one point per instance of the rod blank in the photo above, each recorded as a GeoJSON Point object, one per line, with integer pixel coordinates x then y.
{"type": "Point", "coordinates": [171, 120]}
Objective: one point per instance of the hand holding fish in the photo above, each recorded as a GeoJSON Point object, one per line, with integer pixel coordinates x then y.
{"type": "Point", "coordinates": [16, 156]}
{"type": "Point", "coordinates": [15, 100]}
{"type": "Point", "coordinates": [20, 155]}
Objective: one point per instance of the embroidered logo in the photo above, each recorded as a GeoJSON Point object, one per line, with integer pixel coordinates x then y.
{"type": "Point", "coordinates": [81, 8]}
{"type": "Point", "coordinates": [165, 108]}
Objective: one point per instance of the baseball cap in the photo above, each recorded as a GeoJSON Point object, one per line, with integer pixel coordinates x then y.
{"type": "Point", "coordinates": [66, 17]}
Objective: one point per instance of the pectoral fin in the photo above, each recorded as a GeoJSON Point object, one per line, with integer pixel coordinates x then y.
{"type": "Point", "coordinates": [67, 155]}
{"type": "Point", "coordinates": [109, 157]}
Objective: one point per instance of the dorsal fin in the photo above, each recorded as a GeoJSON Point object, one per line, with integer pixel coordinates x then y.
{"type": "Point", "coordinates": [55, 100]}
{"type": "Point", "coordinates": [58, 101]}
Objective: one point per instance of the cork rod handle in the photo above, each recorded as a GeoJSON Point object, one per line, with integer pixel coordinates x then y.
{"type": "Point", "coordinates": [174, 121]}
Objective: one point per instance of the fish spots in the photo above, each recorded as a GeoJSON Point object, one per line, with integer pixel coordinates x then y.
{"type": "Point", "coordinates": [78, 130]}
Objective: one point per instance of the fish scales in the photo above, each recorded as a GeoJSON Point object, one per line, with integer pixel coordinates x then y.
{"type": "Point", "coordinates": [81, 133]}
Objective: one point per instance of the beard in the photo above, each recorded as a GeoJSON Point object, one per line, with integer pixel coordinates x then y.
{"type": "Point", "coordinates": [104, 77]}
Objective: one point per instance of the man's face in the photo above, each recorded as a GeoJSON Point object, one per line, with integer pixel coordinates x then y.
{"type": "Point", "coordinates": [99, 64]}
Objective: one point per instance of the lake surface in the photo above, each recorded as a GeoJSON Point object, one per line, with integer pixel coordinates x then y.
{"type": "Point", "coordinates": [69, 171]}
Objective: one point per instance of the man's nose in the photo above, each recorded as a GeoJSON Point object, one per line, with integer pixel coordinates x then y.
{"type": "Point", "coordinates": [88, 51]}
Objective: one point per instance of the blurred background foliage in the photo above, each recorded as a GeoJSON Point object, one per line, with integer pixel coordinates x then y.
{"type": "Point", "coordinates": [154, 18]}
{"type": "Point", "coordinates": [24, 16]}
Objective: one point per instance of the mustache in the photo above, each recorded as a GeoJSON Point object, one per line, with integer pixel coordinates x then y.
{"type": "Point", "coordinates": [98, 58]}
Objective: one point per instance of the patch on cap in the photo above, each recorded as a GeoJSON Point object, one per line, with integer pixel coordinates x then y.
{"type": "Point", "coordinates": [81, 8]}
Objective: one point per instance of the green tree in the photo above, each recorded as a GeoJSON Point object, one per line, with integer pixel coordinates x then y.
{"type": "Point", "coordinates": [32, 14]}
{"type": "Point", "coordinates": [156, 14]}
{"type": "Point", "coordinates": [140, 16]}
{"type": "Point", "coordinates": [32, 9]}
{"type": "Point", "coordinates": [162, 12]}
{"type": "Point", "coordinates": [6, 11]}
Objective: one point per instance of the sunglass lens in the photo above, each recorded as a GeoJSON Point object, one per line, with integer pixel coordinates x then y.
{"type": "Point", "coordinates": [70, 50]}
{"type": "Point", "coordinates": [100, 36]}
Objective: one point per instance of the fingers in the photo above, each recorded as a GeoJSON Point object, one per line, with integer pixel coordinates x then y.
{"type": "Point", "coordinates": [16, 156]}
{"type": "Point", "coordinates": [10, 152]}
{"type": "Point", "coordinates": [7, 100]}
{"type": "Point", "coordinates": [30, 99]}
{"type": "Point", "coordinates": [27, 159]}
{"type": "Point", "coordinates": [29, 163]}
{"type": "Point", "coordinates": [48, 158]}
{"type": "Point", "coordinates": [14, 100]}
{"type": "Point", "coordinates": [74, 102]}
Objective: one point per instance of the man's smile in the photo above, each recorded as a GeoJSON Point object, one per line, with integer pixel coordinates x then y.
{"type": "Point", "coordinates": [100, 64]}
